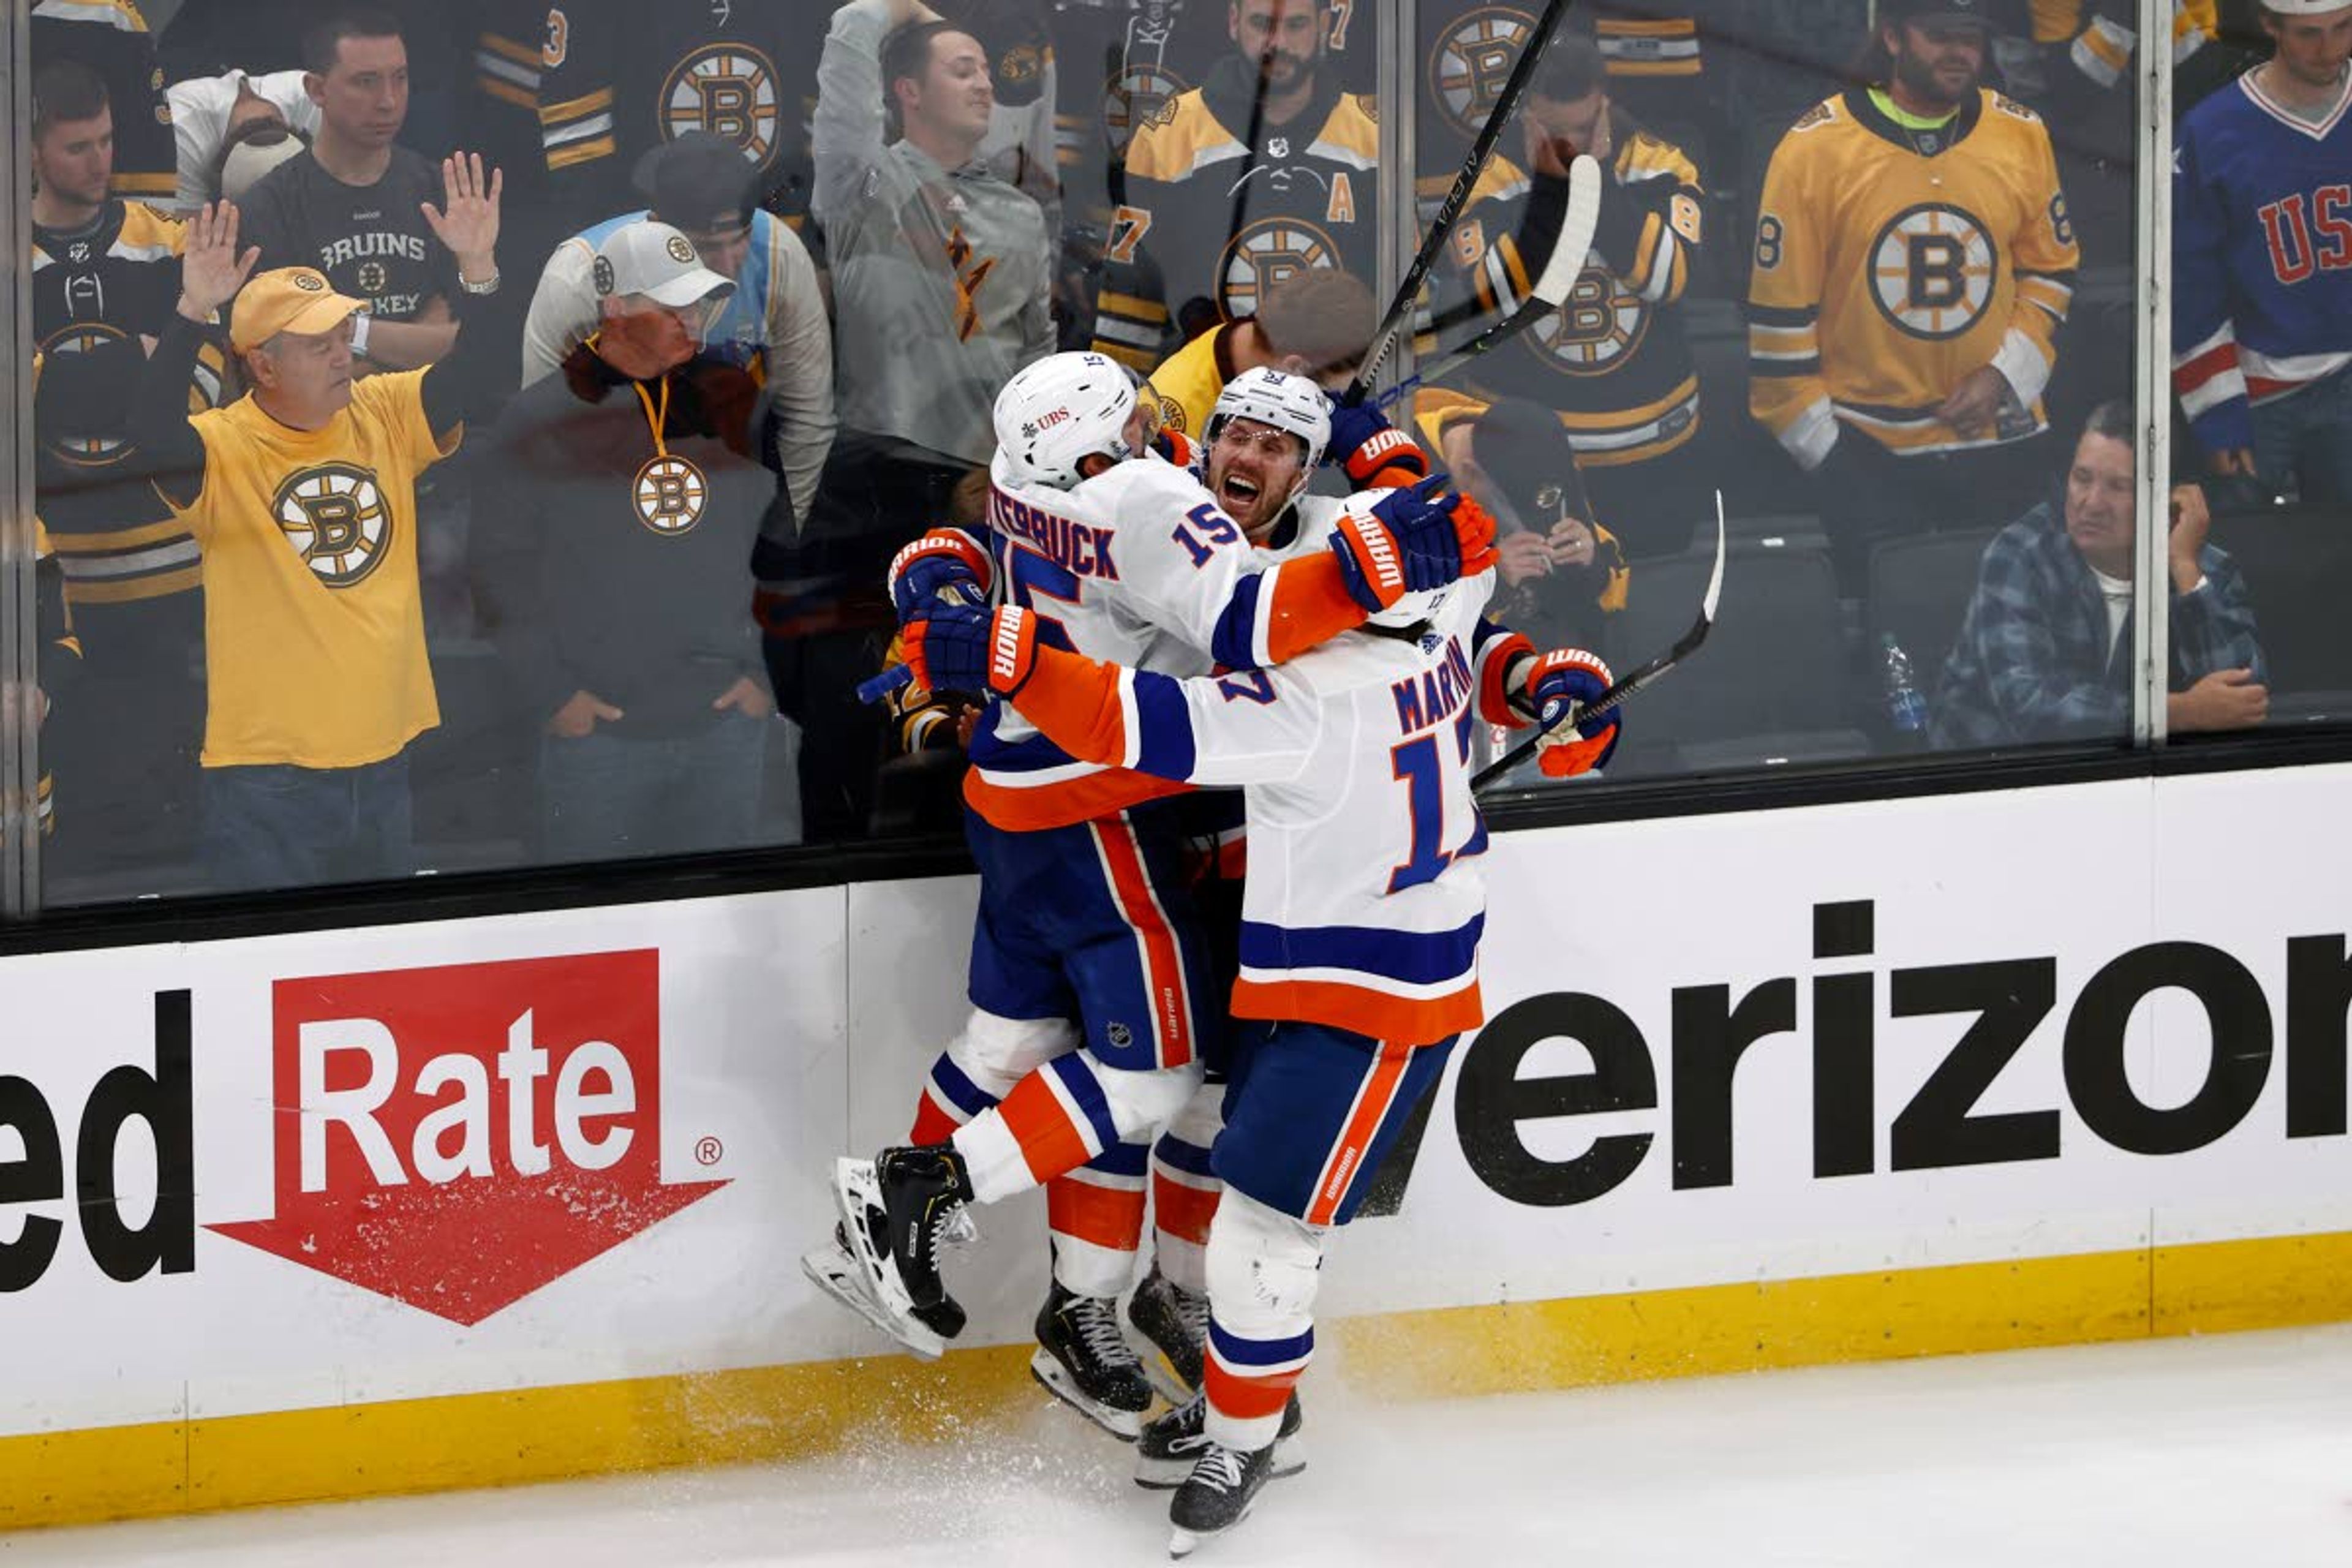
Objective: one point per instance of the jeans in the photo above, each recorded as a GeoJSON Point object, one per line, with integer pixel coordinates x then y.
{"type": "Point", "coordinates": [608, 793]}
{"type": "Point", "coordinates": [277, 825]}
{"type": "Point", "coordinates": [2302, 448]}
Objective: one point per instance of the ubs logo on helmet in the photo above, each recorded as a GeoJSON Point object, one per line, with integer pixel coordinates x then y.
{"type": "Point", "coordinates": [728, 90]}
{"type": "Point", "coordinates": [1471, 62]}
{"type": "Point", "coordinates": [1932, 270]}
{"type": "Point", "coordinates": [670, 494]}
{"type": "Point", "coordinates": [336, 519]}
{"type": "Point", "coordinates": [1264, 254]}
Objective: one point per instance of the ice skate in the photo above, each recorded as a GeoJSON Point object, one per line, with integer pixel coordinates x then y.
{"type": "Point", "coordinates": [1174, 1323]}
{"type": "Point", "coordinates": [834, 1269]}
{"type": "Point", "coordinates": [1216, 1496]}
{"type": "Point", "coordinates": [1169, 1446]}
{"type": "Point", "coordinates": [1088, 1363]}
{"type": "Point", "coordinates": [898, 1210]}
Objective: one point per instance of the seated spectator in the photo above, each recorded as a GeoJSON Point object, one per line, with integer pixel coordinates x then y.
{"type": "Point", "coordinates": [1563, 574]}
{"type": "Point", "coordinates": [943, 281]}
{"type": "Point", "coordinates": [208, 112]}
{"type": "Point", "coordinates": [772, 323]}
{"type": "Point", "coordinates": [110, 37]}
{"type": "Point", "coordinates": [2262, 260]}
{"type": "Point", "coordinates": [2046, 652]}
{"type": "Point", "coordinates": [350, 206]}
{"type": "Point", "coordinates": [1913, 263]}
{"type": "Point", "coordinates": [1316, 324]}
{"type": "Point", "coordinates": [627, 492]}
{"type": "Point", "coordinates": [302, 497]}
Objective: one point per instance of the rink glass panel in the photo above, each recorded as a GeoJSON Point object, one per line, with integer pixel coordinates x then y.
{"type": "Point", "coordinates": [1795, 682]}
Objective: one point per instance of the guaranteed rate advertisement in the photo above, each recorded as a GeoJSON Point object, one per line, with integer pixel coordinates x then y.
{"type": "Point", "coordinates": [347, 1167]}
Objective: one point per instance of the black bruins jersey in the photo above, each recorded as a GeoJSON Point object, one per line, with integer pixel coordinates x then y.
{"type": "Point", "coordinates": [619, 77]}
{"type": "Point", "coordinates": [1612, 361]}
{"type": "Point", "coordinates": [111, 39]}
{"type": "Point", "coordinates": [1117, 63]}
{"type": "Point", "coordinates": [130, 569]}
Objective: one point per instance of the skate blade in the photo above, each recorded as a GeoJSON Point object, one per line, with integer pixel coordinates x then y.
{"type": "Point", "coordinates": [1167, 1475]}
{"type": "Point", "coordinates": [1126, 1425]}
{"type": "Point", "coordinates": [854, 1193]}
{"type": "Point", "coordinates": [1159, 1371]}
{"type": "Point", "coordinates": [832, 1272]}
{"type": "Point", "coordinates": [1182, 1542]}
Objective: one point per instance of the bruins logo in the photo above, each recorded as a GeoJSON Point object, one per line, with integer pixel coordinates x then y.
{"type": "Point", "coordinates": [1136, 97]}
{"type": "Point", "coordinates": [603, 273]}
{"type": "Point", "coordinates": [728, 90]}
{"type": "Point", "coordinates": [336, 519]}
{"type": "Point", "coordinates": [1932, 270]}
{"type": "Point", "coordinates": [1818, 114]}
{"type": "Point", "coordinates": [1265, 253]}
{"type": "Point", "coordinates": [372, 277]}
{"type": "Point", "coordinates": [310, 282]}
{"type": "Point", "coordinates": [669, 494]}
{"type": "Point", "coordinates": [1164, 116]}
{"type": "Point", "coordinates": [83, 451]}
{"type": "Point", "coordinates": [1472, 62]}
{"type": "Point", "coordinates": [1597, 329]}
{"type": "Point", "coordinates": [681, 251]}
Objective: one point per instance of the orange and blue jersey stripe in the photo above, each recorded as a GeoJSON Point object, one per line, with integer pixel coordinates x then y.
{"type": "Point", "coordinates": [1416, 986]}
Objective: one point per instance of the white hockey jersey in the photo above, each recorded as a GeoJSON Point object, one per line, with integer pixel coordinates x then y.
{"type": "Point", "coordinates": [1136, 566]}
{"type": "Point", "coordinates": [1365, 900]}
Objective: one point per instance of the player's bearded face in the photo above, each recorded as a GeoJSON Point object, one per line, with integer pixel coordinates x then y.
{"type": "Point", "coordinates": [1938, 64]}
{"type": "Point", "coordinates": [1252, 470]}
{"type": "Point", "coordinates": [1283, 36]}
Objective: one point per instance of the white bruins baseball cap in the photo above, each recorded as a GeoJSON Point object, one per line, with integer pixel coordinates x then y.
{"type": "Point", "coordinates": [657, 262]}
{"type": "Point", "coordinates": [2303, 8]}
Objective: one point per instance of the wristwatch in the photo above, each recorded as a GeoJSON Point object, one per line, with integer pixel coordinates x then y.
{"type": "Point", "coordinates": [360, 320]}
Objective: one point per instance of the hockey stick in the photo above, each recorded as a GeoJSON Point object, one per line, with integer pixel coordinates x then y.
{"type": "Point", "coordinates": [1633, 683]}
{"type": "Point", "coordinates": [1552, 288]}
{"type": "Point", "coordinates": [1507, 103]}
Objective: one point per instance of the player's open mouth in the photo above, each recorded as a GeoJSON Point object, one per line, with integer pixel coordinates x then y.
{"type": "Point", "coordinates": [1237, 491]}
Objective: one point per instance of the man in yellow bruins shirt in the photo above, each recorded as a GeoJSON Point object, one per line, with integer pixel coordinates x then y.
{"type": "Point", "coordinates": [302, 497]}
{"type": "Point", "coordinates": [1913, 264]}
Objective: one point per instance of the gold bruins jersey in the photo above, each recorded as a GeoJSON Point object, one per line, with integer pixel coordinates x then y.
{"type": "Point", "coordinates": [1891, 263]}
{"type": "Point", "coordinates": [314, 641]}
{"type": "Point", "coordinates": [1186, 386]}
{"type": "Point", "coordinates": [1612, 361]}
{"type": "Point", "coordinates": [96, 293]}
{"type": "Point", "coordinates": [2099, 35]}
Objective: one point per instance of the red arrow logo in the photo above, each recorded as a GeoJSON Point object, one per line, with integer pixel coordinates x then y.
{"type": "Point", "coordinates": [459, 1137]}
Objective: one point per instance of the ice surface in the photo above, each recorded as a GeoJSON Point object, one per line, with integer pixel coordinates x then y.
{"type": "Point", "coordinates": [2234, 1450]}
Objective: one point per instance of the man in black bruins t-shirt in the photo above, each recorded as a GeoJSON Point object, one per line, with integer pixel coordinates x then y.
{"type": "Point", "coordinates": [349, 205]}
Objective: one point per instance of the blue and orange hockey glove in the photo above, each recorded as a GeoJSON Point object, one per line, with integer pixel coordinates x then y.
{"type": "Point", "coordinates": [946, 564]}
{"type": "Point", "coordinates": [1411, 540]}
{"type": "Point", "coordinates": [1374, 452]}
{"type": "Point", "coordinates": [1556, 679]}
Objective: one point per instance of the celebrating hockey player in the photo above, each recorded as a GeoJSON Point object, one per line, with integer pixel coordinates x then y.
{"type": "Point", "coordinates": [1085, 911]}
{"type": "Point", "coordinates": [2262, 256]}
{"type": "Point", "coordinates": [1359, 941]}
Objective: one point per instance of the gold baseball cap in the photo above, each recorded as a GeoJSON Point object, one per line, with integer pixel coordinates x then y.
{"type": "Point", "coordinates": [288, 299]}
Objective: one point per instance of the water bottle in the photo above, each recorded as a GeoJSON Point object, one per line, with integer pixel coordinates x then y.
{"type": "Point", "coordinates": [1906, 710]}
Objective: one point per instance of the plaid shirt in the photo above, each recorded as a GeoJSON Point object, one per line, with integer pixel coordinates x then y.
{"type": "Point", "coordinates": [2035, 661]}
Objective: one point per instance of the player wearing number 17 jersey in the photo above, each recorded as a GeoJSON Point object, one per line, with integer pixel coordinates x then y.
{"type": "Point", "coordinates": [1085, 913]}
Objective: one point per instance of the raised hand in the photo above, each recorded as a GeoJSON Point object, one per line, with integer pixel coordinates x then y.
{"type": "Point", "coordinates": [211, 270]}
{"type": "Point", "coordinates": [467, 221]}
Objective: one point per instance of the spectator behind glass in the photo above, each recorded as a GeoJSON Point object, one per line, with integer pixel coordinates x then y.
{"type": "Point", "coordinates": [627, 492]}
{"type": "Point", "coordinates": [351, 206]}
{"type": "Point", "coordinates": [1561, 574]}
{"type": "Point", "coordinates": [2045, 651]}
{"type": "Point", "coordinates": [1316, 324]}
{"type": "Point", "coordinates": [1913, 263]}
{"type": "Point", "coordinates": [941, 290]}
{"type": "Point", "coordinates": [110, 38]}
{"type": "Point", "coordinates": [209, 113]}
{"type": "Point", "coordinates": [1268, 167]}
{"type": "Point", "coordinates": [1612, 361]}
{"type": "Point", "coordinates": [2262, 256]}
{"type": "Point", "coordinates": [771, 324]}
{"type": "Point", "coordinates": [103, 276]}
{"type": "Point", "coordinates": [302, 497]}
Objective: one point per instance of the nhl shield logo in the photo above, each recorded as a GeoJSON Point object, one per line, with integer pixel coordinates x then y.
{"type": "Point", "coordinates": [669, 494]}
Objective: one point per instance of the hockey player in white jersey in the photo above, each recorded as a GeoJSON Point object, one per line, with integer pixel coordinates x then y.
{"type": "Point", "coordinates": [1363, 915]}
{"type": "Point", "coordinates": [1086, 951]}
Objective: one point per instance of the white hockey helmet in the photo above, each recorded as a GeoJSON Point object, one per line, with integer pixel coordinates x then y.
{"type": "Point", "coordinates": [1415, 607]}
{"type": "Point", "coordinates": [1274, 397]}
{"type": "Point", "coordinates": [1057, 412]}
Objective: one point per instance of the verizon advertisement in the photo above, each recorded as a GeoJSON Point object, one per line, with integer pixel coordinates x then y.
{"type": "Point", "coordinates": [379, 1164]}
